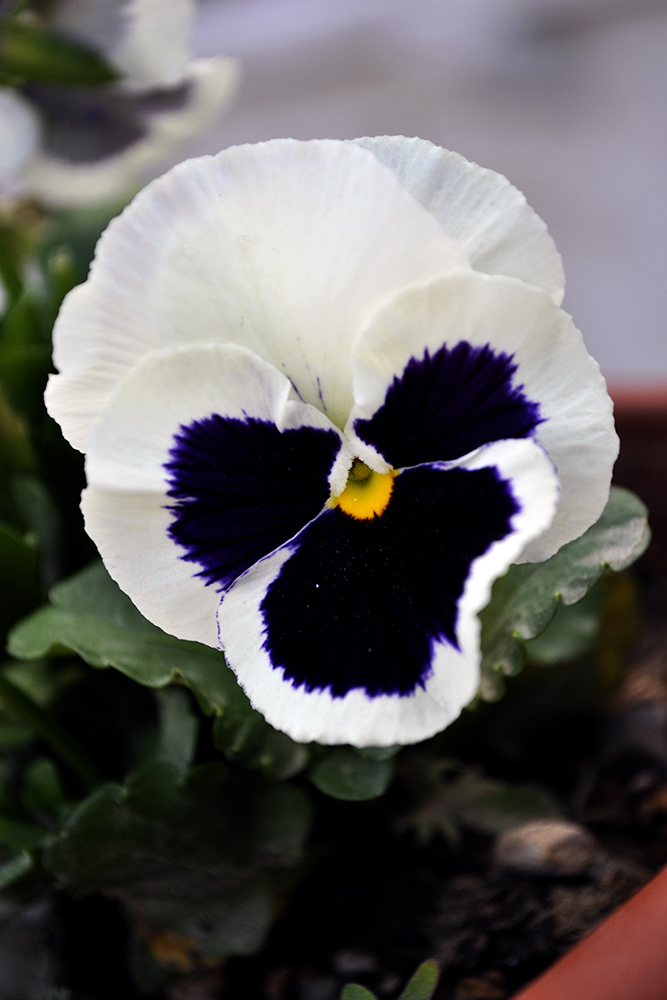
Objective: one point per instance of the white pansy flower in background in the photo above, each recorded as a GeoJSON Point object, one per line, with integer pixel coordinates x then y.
{"type": "Point", "coordinates": [327, 396]}
{"type": "Point", "coordinates": [86, 144]}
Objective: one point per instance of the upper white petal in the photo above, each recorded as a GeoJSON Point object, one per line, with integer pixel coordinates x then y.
{"type": "Point", "coordinates": [61, 184]}
{"type": "Point", "coordinates": [554, 369]}
{"type": "Point", "coordinates": [478, 207]}
{"type": "Point", "coordinates": [284, 247]}
{"type": "Point", "coordinates": [125, 504]}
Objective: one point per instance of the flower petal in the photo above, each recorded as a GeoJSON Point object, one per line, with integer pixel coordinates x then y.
{"type": "Point", "coordinates": [283, 247]}
{"type": "Point", "coordinates": [365, 631]}
{"type": "Point", "coordinates": [477, 207]}
{"type": "Point", "coordinates": [19, 134]}
{"type": "Point", "coordinates": [199, 466]}
{"type": "Point", "coordinates": [147, 40]}
{"type": "Point", "coordinates": [554, 376]}
{"type": "Point", "coordinates": [60, 181]}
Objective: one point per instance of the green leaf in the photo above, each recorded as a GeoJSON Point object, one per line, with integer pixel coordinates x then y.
{"type": "Point", "coordinates": [33, 53]}
{"type": "Point", "coordinates": [62, 276]}
{"type": "Point", "coordinates": [18, 834]}
{"type": "Point", "coordinates": [244, 736]}
{"type": "Point", "coordinates": [23, 323]}
{"type": "Point", "coordinates": [205, 859]}
{"type": "Point", "coordinates": [15, 869]}
{"type": "Point", "coordinates": [42, 794]}
{"type": "Point", "coordinates": [17, 703]}
{"type": "Point", "coordinates": [39, 514]}
{"type": "Point", "coordinates": [572, 632]}
{"type": "Point", "coordinates": [18, 576]}
{"type": "Point", "coordinates": [525, 600]}
{"type": "Point", "coordinates": [152, 789]}
{"type": "Point", "coordinates": [178, 729]}
{"type": "Point", "coordinates": [344, 774]}
{"type": "Point", "coordinates": [15, 446]}
{"type": "Point", "coordinates": [378, 753]}
{"type": "Point", "coordinates": [77, 231]}
{"type": "Point", "coordinates": [10, 253]}
{"type": "Point", "coordinates": [353, 991]}
{"type": "Point", "coordinates": [423, 983]}
{"type": "Point", "coordinates": [89, 615]}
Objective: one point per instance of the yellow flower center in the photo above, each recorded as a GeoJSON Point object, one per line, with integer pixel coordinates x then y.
{"type": "Point", "coordinates": [366, 492]}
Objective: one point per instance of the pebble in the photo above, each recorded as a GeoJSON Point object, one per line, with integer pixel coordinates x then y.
{"type": "Point", "coordinates": [546, 847]}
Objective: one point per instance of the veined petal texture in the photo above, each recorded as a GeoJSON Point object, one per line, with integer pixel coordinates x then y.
{"type": "Point", "coordinates": [282, 247]}
{"type": "Point", "coordinates": [201, 465]}
{"type": "Point", "coordinates": [478, 207]}
{"type": "Point", "coordinates": [327, 397]}
{"type": "Point", "coordinates": [490, 358]}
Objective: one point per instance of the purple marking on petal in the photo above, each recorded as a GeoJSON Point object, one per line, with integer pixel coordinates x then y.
{"type": "Point", "coordinates": [445, 405]}
{"type": "Point", "coordinates": [361, 603]}
{"type": "Point", "coordinates": [242, 488]}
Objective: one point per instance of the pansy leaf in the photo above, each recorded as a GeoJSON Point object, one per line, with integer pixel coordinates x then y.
{"type": "Point", "coordinates": [342, 773]}
{"type": "Point", "coordinates": [19, 834]}
{"type": "Point", "coordinates": [178, 729]}
{"type": "Point", "coordinates": [12, 871]}
{"type": "Point", "coordinates": [353, 991]}
{"type": "Point", "coordinates": [18, 575]}
{"type": "Point", "coordinates": [422, 984]}
{"type": "Point", "coordinates": [243, 735]}
{"type": "Point", "coordinates": [89, 615]}
{"type": "Point", "coordinates": [42, 794]}
{"type": "Point", "coordinates": [10, 249]}
{"type": "Point", "coordinates": [203, 859]}
{"type": "Point", "coordinates": [572, 631]}
{"type": "Point", "coordinates": [525, 600]}
{"type": "Point", "coordinates": [30, 52]}
{"type": "Point", "coordinates": [39, 513]}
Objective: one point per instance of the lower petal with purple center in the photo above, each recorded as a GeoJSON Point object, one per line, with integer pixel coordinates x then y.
{"type": "Point", "coordinates": [366, 631]}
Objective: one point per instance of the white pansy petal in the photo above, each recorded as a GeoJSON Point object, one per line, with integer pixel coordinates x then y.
{"type": "Point", "coordinates": [199, 466]}
{"type": "Point", "coordinates": [365, 631]}
{"type": "Point", "coordinates": [19, 133]}
{"type": "Point", "coordinates": [155, 48]}
{"type": "Point", "coordinates": [211, 87]}
{"type": "Point", "coordinates": [284, 247]}
{"type": "Point", "coordinates": [468, 358]}
{"type": "Point", "coordinates": [147, 40]}
{"type": "Point", "coordinates": [477, 207]}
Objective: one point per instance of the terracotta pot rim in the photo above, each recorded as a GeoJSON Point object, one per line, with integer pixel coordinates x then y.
{"type": "Point", "coordinates": [624, 958]}
{"type": "Point", "coordinates": [639, 396]}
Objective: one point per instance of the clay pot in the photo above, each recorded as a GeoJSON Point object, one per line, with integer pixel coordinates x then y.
{"type": "Point", "coordinates": [625, 958]}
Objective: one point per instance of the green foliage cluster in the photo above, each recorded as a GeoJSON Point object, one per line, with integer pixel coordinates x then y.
{"type": "Point", "coordinates": [131, 762]}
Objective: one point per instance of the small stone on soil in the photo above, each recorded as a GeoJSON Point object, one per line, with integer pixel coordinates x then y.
{"type": "Point", "coordinates": [546, 847]}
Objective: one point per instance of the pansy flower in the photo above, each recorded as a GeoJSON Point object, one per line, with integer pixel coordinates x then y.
{"type": "Point", "coordinates": [77, 145]}
{"type": "Point", "coordinates": [327, 396]}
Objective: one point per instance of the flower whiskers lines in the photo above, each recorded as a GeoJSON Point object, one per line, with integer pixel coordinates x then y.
{"type": "Point", "coordinates": [327, 396]}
